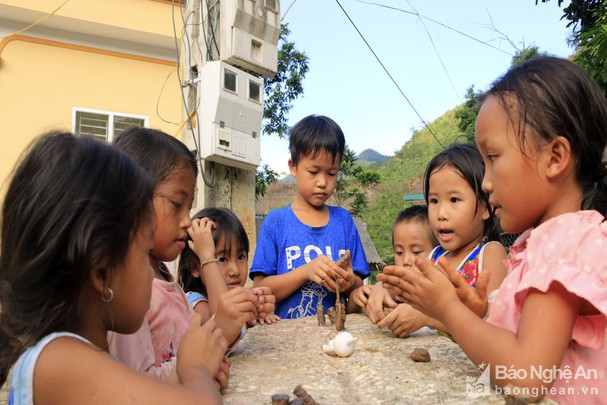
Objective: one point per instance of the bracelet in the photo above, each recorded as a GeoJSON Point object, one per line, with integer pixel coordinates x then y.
{"type": "Point", "coordinates": [208, 261]}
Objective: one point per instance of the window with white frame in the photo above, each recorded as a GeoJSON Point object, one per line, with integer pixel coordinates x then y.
{"type": "Point", "coordinates": [104, 126]}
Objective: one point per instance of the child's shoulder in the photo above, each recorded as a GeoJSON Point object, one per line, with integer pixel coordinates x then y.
{"type": "Point", "coordinates": [279, 212]}
{"type": "Point", "coordinates": [572, 240]}
{"type": "Point", "coordinates": [339, 212]}
{"type": "Point", "coordinates": [493, 247]}
{"type": "Point", "coordinates": [568, 230]}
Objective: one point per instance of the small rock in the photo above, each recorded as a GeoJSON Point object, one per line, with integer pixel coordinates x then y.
{"type": "Point", "coordinates": [420, 355]}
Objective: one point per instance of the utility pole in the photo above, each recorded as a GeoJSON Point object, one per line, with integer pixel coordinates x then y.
{"type": "Point", "coordinates": [228, 47]}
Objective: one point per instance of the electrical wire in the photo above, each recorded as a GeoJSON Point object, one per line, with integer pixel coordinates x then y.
{"type": "Point", "coordinates": [166, 79]}
{"type": "Point", "coordinates": [195, 136]}
{"type": "Point", "coordinates": [437, 54]}
{"type": "Point", "coordinates": [439, 23]}
{"type": "Point", "coordinates": [38, 21]}
{"type": "Point", "coordinates": [389, 75]}
{"type": "Point", "coordinates": [287, 12]}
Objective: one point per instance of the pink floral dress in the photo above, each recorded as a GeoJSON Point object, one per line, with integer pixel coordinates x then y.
{"type": "Point", "coordinates": [568, 249]}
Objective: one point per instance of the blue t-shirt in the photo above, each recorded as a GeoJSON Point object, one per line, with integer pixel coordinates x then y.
{"type": "Point", "coordinates": [285, 243]}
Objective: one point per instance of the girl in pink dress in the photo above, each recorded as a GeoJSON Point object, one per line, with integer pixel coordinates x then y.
{"type": "Point", "coordinates": [541, 131]}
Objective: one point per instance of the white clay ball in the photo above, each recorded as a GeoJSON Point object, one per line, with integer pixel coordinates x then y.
{"type": "Point", "coordinates": [344, 344]}
{"type": "Point", "coordinates": [328, 348]}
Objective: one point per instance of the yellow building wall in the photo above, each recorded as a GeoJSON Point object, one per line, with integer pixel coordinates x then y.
{"type": "Point", "coordinates": [144, 16]}
{"type": "Point", "coordinates": [41, 82]}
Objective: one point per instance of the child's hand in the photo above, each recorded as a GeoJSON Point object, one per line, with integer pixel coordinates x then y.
{"type": "Point", "coordinates": [346, 279]}
{"type": "Point", "coordinates": [403, 320]}
{"type": "Point", "coordinates": [427, 290]}
{"type": "Point", "coordinates": [202, 242]}
{"type": "Point", "coordinates": [477, 299]}
{"type": "Point", "coordinates": [222, 378]}
{"type": "Point", "coordinates": [378, 299]}
{"type": "Point", "coordinates": [269, 319]}
{"type": "Point", "coordinates": [202, 346]}
{"type": "Point", "coordinates": [266, 303]}
{"type": "Point", "coordinates": [234, 308]}
{"type": "Point", "coordinates": [319, 269]}
{"type": "Point", "coordinates": [392, 278]}
{"type": "Point", "coordinates": [360, 294]}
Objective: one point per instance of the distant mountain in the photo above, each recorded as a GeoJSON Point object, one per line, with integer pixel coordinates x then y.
{"type": "Point", "coordinates": [289, 179]}
{"type": "Point", "coordinates": [371, 156]}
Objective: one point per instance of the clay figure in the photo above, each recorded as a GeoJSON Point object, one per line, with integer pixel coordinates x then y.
{"type": "Point", "coordinates": [342, 345]}
{"type": "Point", "coordinates": [280, 399]}
{"type": "Point", "coordinates": [301, 393]}
{"type": "Point", "coordinates": [320, 315]}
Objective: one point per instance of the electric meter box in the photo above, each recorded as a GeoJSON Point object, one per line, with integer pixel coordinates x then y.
{"type": "Point", "coordinates": [251, 40]}
{"type": "Point", "coordinates": [230, 112]}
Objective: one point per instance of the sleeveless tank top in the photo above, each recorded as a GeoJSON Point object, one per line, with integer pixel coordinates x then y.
{"type": "Point", "coordinates": [22, 380]}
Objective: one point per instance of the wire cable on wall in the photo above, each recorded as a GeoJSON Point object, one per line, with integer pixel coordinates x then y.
{"type": "Point", "coordinates": [389, 75]}
{"type": "Point", "coordinates": [166, 79]}
{"type": "Point", "coordinates": [195, 136]}
{"type": "Point", "coordinates": [38, 21]}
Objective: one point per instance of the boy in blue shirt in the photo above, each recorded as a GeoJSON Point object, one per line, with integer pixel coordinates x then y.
{"type": "Point", "coordinates": [298, 243]}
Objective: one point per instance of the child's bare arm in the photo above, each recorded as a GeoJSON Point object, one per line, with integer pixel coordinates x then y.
{"type": "Point", "coordinates": [69, 370]}
{"type": "Point", "coordinates": [283, 285]}
{"type": "Point", "coordinates": [202, 308]}
{"type": "Point", "coordinates": [493, 260]}
{"type": "Point", "coordinates": [211, 275]}
{"type": "Point", "coordinates": [541, 340]}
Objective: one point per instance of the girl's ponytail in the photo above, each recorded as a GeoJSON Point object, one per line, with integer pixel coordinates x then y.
{"type": "Point", "coordinates": [596, 198]}
{"type": "Point", "coordinates": [11, 346]}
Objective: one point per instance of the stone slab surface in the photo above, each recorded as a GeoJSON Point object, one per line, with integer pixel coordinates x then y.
{"type": "Point", "coordinates": [276, 358]}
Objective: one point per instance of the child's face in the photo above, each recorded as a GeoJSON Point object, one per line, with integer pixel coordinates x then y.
{"type": "Point", "coordinates": [451, 210]}
{"type": "Point", "coordinates": [511, 179]}
{"type": "Point", "coordinates": [411, 240]}
{"type": "Point", "coordinates": [315, 177]}
{"type": "Point", "coordinates": [131, 282]}
{"type": "Point", "coordinates": [233, 263]}
{"type": "Point", "coordinates": [173, 200]}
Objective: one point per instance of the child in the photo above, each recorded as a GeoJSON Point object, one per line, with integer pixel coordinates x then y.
{"type": "Point", "coordinates": [223, 233]}
{"type": "Point", "coordinates": [74, 264]}
{"type": "Point", "coordinates": [541, 131]}
{"type": "Point", "coordinates": [173, 169]}
{"type": "Point", "coordinates": [298, 244]}
{"type": "Point", "coordinates": [412, 237]}
{"type": "Point", "coordinates": [461, 217]}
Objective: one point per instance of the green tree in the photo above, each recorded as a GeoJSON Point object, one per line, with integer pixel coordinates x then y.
{"type": "Point", "coordinates": [524, 55]}
{"type": "Point", "coordinates": [589, 21]}
{"type": "Point", "coordinates": [592, 48]}
{"type": "Point", "coordinates": [286, 86]}
{"type": "Point", "coordinates": [263, 178]}
{"type": "Point", "coordinates": [352, 181]}
{"type": "Point", "coordinates": [467, 112]}
{"type": "Point", "coordinates": [280, 93]}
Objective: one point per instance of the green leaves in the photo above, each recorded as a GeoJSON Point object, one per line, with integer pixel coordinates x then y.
{"type": "Point", "coordinates": [286, 86]}
{"type": "Point", "coordinates": [264, 176]}
{"type": "Point", "coordinates": [353, 182]}
{"type": "Point", "coordinates": [589, 21]}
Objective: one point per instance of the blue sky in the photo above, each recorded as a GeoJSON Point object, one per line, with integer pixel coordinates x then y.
{"type": "Point", "coordinates": [347, 83]}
